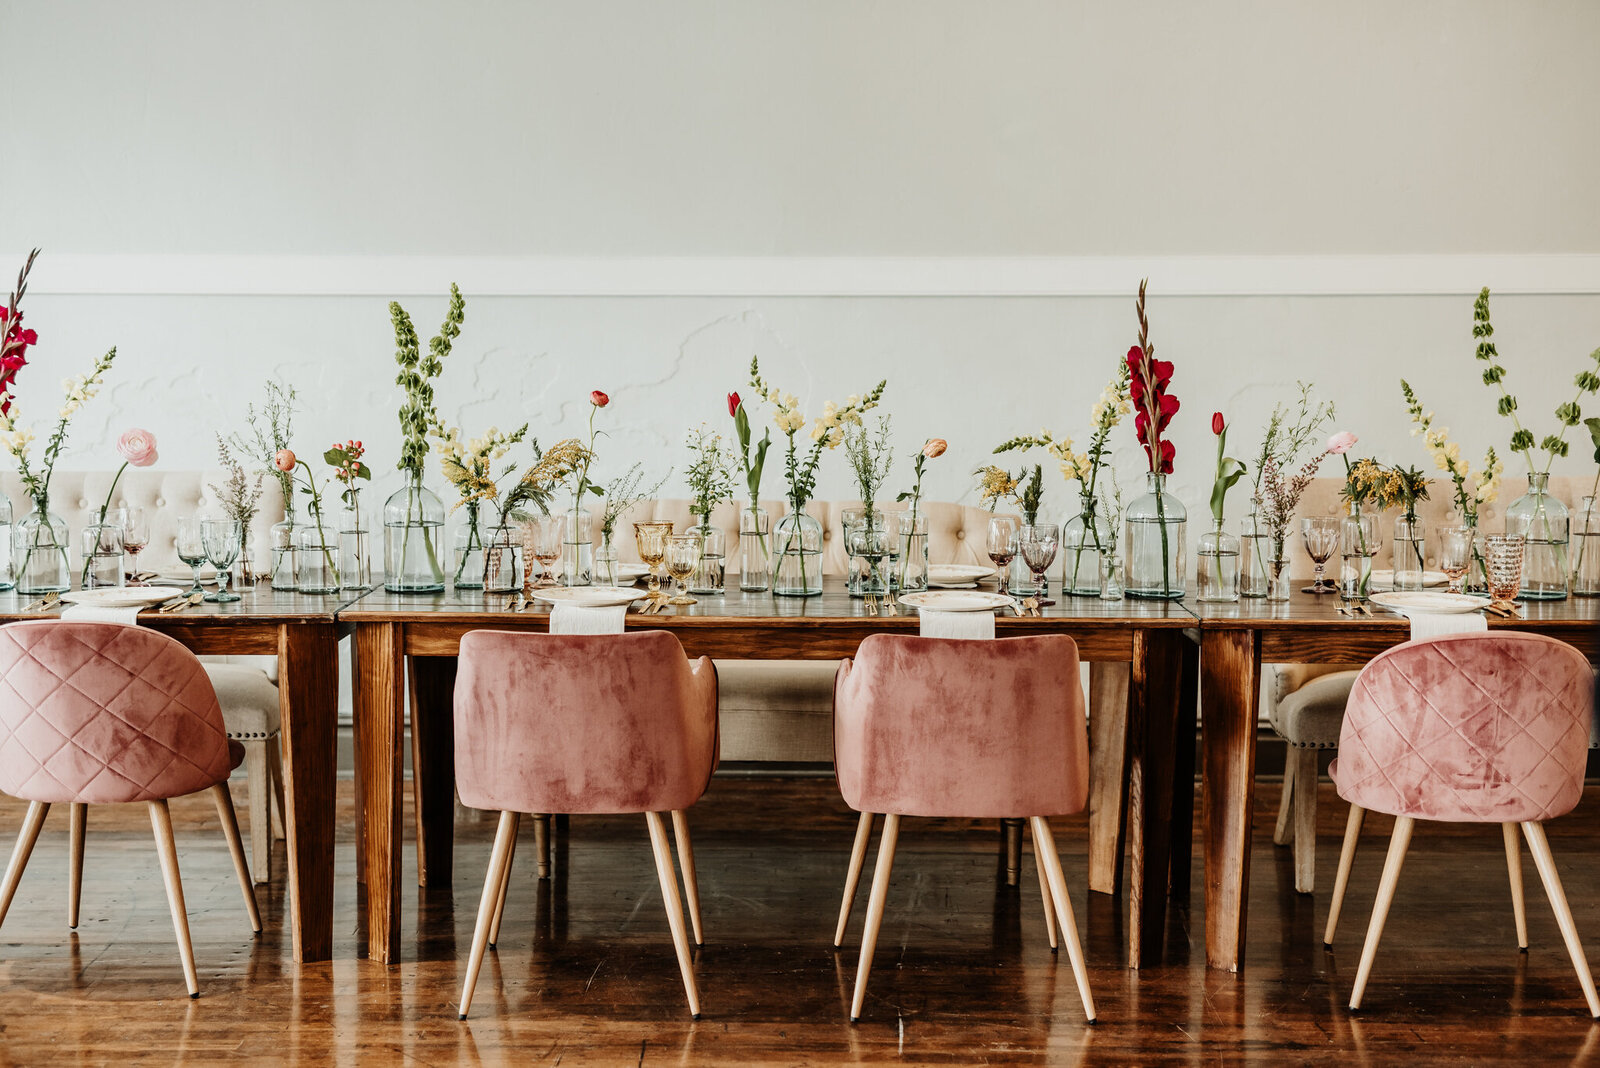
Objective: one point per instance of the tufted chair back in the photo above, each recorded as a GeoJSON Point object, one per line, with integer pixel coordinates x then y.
{"type": "Point", "coordinates": [101, 713]}
{"type": "Point", "coordinates": [76, 496]}
{"type": "Point", "coordinates": [956, 532]}
{"type": "Point", "coordinates": [1479, 728]}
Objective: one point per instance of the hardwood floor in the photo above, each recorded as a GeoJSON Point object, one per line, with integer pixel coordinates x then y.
{"type": "Point", "coordinates": [585, 971]}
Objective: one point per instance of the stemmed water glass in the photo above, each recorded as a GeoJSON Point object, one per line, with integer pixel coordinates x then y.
{"type": "Point", "coordinates": [135, 536]}
{"type": "Point", "coordinates": [1039, 543]}
{"type": "Point", "coordinates": [1455, 555]}
{"type": "Point", "coordinates": [191, 547]}
{"type": "Point", "coordinates": [222, 539]}
{"type": "Point", "coordinates": [682, 556]}
{"type": "Point", "coordinates": [545, 536]}
{"type": "Point", "coordinates": [1503, 562]}
{"type": "Point", "coordinates": [1321, 535]}
{"type": "Point", "coordinates": [1002, 546]}
{"type": "Point", "coordinates": [651, 540]}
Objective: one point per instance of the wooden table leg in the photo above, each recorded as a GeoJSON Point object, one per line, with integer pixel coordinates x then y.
{"type": "Point", "coordinates": [1108, 773]}
{"type": "Point", "coordinates": [1230, 672]}
{"type": "Point", "coordinates": [308, 703]}
{"type": "Point", "coordinates": [433, 766]}
{"type": "Point", "coordinates": [1152, 720]}
{"type": "Point", "coordinates": [1183, 785]}
{"type": "Point", "coordinates": [379, 720]}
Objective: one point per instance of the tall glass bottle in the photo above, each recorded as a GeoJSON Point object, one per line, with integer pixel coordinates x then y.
{"type": "Point", "coordinates": [1543, 520]}
{"type": "Point", "coordinates": [1154, 547]}
{"type": "Point", "coordinates": [413, 542]}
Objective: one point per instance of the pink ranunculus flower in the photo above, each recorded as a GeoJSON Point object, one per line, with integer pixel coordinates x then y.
{"type": "Point", "coordinates": [1341, 443]}
{"type": "Point", "coordinates": [137, 446]}
{"type": "Point", "coordinates": [934, 448]}
{"type": "Point", "coordinates": [284, 460]}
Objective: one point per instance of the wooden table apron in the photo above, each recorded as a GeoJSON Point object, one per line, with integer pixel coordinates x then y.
{"type": "Point", "coordinates": [1235, 641]}
{"type": "Point", "coordinates": [303, 633]}
{"type": "Point", "coordinates": [400, 636]}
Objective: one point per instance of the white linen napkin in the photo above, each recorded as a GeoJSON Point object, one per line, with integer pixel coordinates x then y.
{"type": "Point", "coordinates": [975, 625]}
{"type": "Point", "coordinates": [587, 619]}
{"type": "Point", "coordinates": [1433, 624]}
{"type": "Point", "coordinates": [88, 613]}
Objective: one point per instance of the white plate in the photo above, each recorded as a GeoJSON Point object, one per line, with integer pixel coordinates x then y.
{"type": "Point", "coordinates": [1384, 579]}
{"type": "Point", "coordinates": [958, 574]}
{"type": "Point", "coordinates": [590, 596]}
{"type": "Point", "coordinates": [953, 585]}
{"type": "Point", "coordinates": [631, 572]}
{"type": "Point", "coordinates": [122, 596]}
{"type": "Point", "coordinates": [1429, 602]}
{"type": "Point", "coordinates": [208, 577]}
{"type": "Point", "coordinates": [957, 601]}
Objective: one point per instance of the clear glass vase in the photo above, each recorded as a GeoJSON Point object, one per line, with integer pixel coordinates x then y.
{"type": "Point", "coordinates": [1544, 522]}
{"type": "Point", "coordinates": [285, 548]}
{"type": "Point", "coordinates": [7, 579]}
{"type": "Point", "coordinates": [605, 562]}
{"type": "Point", "coordinates": [467, 552]}
{"type": "Point", "coordinates": [1111, 574]}
{"type": "Point", "coordinates": [1586, 554]}
{"type": "Point", "coordinates": [910, 574]}
{"type": "Point", "coordinates": [39, 552]}
{"type": "Point", "coordinates": [577, 549]}
{"type": "Point", "coordinates": [868, 542]}
{"type": "Point", "coordinates": [1084, 540]}
{"type": "Point", "coordinates": [797, 556]}
{"type": "Point", "coordinates": [1154, 544]}
{"type": "Point", "coordinates": [413, 540]}
{"type": "Point", "coordinates": [102, 556]}
{"type": "Point", "coordinates": [1255, 554]}
{"type": "Point", "coordinates": [711, 572]}
{"type": "Point", "coordinates": [1359, 541]}
{"type": "Point", "coordinates": [317, 547]}
{"type": "Point", "coordinates": [355, 547]}
{"type": "Point", "coordinates": [498, 570]}
{"type": "Point", "coordinates": [1410, 553]}
{"type": "Point", "coordinates": [755, 549]}
{"type": "Point", "coordinates": [1217, 567]}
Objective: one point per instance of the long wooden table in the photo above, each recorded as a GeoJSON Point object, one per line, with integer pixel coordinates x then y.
{"type": "Point", "coordinates": [1235, 640]}
{"type": "Point", "coordinates": [303, 633]}
{"type": "Point", "coordinates": [421, 634]}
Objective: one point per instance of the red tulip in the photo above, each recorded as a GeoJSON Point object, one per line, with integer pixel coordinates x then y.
{"type": "Point", "coordinates": [733, 404]}
{"type": "Point", "coordinates": [1217, 425]}
{"type": "Point", "coordinates": [598, 399]}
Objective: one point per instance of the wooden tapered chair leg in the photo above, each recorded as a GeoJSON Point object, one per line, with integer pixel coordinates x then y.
{"type": "Point", "coordinates": [1380, 910]}
{"type": "Point", "coordinates": [1305, 820]}
{"type": "Point", "coordinates": [1519, 906]}
{"type": "Point", "coordinates": [78, 826]}
{"type": "Point", "coordinates": [669, 894]}
{"type": "Point", "coordinates": [541, 843]}
{"type": "Point", "coordinates": [230, 831]}
{"type": "Point", "coordinates": [493, 880]}
{"type": "Point", "coordinates": [259, 781]}
{"type": "Point", "coordinates": [167, 848]}
{"type": "Point", "coordinates": [505, 882]}
{"type": "Point", "coordinates": [1044, 892]}
{"type": "Point", "coordinates": [852, 877]}
{"type": "Point", "coordinates": [691, 882]}
{"type": "Point", "coordinates": [1347, 859]}
{"type": "Point", "coordinates": [1283, 831]}
{"type": "Point", "coordinates": [31, 824]}
{"type": "Point", "coordinates": [875, 901]}
{"type": "Point", "coordinates": [1044, 845]}
{"type": "Point", "coordinates": [1539, 846]}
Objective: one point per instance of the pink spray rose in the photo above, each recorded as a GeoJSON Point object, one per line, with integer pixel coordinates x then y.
{"type": "Point", "coordinates": [137, 446]}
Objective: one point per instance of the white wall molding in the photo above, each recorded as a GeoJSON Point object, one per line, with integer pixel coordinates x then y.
{"type": "Point", "coordinates": [815, 276]}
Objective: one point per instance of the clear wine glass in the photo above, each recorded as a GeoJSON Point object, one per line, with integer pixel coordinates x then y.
{"type": "Point", "coordinates": [1321, 535]}
{"type": "Point", "coordinates": [222, 539]}
{"type": "Point", "coordinates": [1455, 555]}
{"type": "Point", "coordinates": [651, 540]}
{"type": "Point", "coordinates": [682, 556]}
{"type": "Point", "coordinates": [135, 537]}
{"type": "Point", "coordinates": [1002, 546]}
{"type": "Point", "coordinates": [191, 548]}
{"type": "Point", "coordinates": [548, 536]}
{"type": "Point", "coordinates": [1039, 544]}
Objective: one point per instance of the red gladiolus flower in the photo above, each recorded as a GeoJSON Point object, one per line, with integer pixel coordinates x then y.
{"type": "Point", "coordinates": [1217, 425]}
{"type": "Point", "coordinates": [733, 404]}
{"type": "Point", "coordinates": [598, 399]}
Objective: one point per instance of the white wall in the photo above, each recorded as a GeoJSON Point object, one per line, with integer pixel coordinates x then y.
{"type": "Point", "coordinates": [220, 135]}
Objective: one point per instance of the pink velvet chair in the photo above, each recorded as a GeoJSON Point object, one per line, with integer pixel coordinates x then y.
{"type": "Point", "coordinates": [1466, 728]}
{"type": "Point", "coordinates": [584, 724]}
{"type": "Point", "coordinates": [101, 713]}
{"type": "Point", "coordinates": [940, 727]}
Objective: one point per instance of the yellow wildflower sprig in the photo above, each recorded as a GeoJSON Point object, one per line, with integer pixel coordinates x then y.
{"type": "Point", "coordinates": [1446, 456]}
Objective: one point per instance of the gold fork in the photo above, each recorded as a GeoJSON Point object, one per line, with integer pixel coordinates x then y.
{"type": "Point", "coordinates": [872, 605]}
